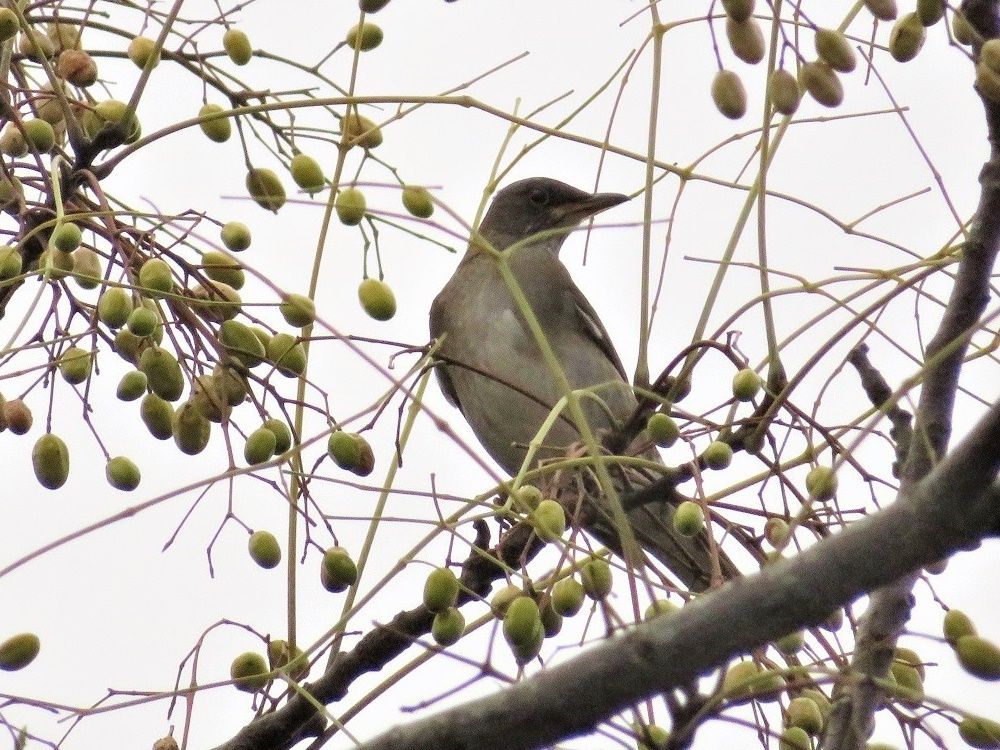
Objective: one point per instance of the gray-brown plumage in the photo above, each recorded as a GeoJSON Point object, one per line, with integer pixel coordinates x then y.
{"type": "Point", "coordinates": [493, 368]}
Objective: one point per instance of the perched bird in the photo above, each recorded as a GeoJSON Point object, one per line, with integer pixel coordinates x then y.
{"type": "Point", "coordinates": [494, 371]}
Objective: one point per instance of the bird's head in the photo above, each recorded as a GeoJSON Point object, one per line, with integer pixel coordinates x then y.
{"type": "Point", "coordinates": [541, 206]}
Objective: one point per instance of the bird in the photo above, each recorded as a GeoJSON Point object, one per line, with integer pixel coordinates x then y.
{"type": "Point", "coordinates": [491, 367]}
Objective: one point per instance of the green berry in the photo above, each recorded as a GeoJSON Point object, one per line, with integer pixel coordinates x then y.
{"type": "Point", "coordinates": [249, 672]}
{"type": "Point", "coordinates": [298, 310]}
{"type": "Point", "coordinates": [122, 473]}
{"type": "Point", "coordinates": [50, 461]}
{"type": "Point", "coordinates": [338, 570]}
{"type": "Point", "coordinates": [364, 37]}
{"type": "Point", "coordinates": [377, 299]}
{"type": "Point", "coordinates": [350, 206]}
{"type": "Point", "coordinates": [259, 446]}
{"type": "Point", "coordinates": [19, 651]}
{"type": "Point", "coordinates": [307, 173]}
{"type": "Point", "coordinates": [689, 519]}
{"type": "Point", "coordinates": [441, 590]}
{"type": "Point", "coordinates": [417, 201]}
{"type": "Point", "coordinates": [235, 236]}
{"type": "Point", "coordinates": [662, 429]}
{"type": "Point", "coordinates": [718, 455]}
{"type": "Point", "coordinates": [265, 187]}
{"type": "Point", "coordinates": [132, 385]}
{"type": "Point", "coordinates": [448, 627]}
{"type": "Point", "coordinates": [218, 129]}
{"type": "Point", "coordinates": [237, 46]}
{"type": "Point", "coordinates": [264, 549]}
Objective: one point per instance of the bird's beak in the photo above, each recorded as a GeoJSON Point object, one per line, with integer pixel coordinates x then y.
{"type": "Point", "coordinates": [573, 213]}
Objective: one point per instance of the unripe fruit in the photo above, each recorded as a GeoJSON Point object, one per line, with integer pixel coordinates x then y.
{"type": "Point", "coordinates": [122, 473]}
{"type": "Point", "coordinates": [746, 40]}
{"type": "Point", "coordinates": [192, 430]}
{"type": "Point", "coordinates": [527, 498]}
{"type": "Point", "coordinates": [783, 91]}
{"type": "Point", "coordinates": [448, 627]}
{"type": "Point", "coordinates": [883, 10]}
{"type": "Point", "coordinates": [551, 620]}
{"type": "Point", "coordinates": [441, 590]}
{"type": "Point", "coordinates": [143, 52]}
{"type": "Point", "coordinates": [805, 714]}
{"type": "Point", "coordinates": [210, 401]}
{"type": "Point", "coordinates": [987, 81]}
{"type": "Point", "coordinates": [39, 135]}
{"type": "Point", "coordinates": [17, 415]}
{"type": "Point", "coordinates": [350, 206]}
{"type": "Point", "coordinates": [367, 133]}
{"type": "Point", "coordinates": [223, 269]}
{"type": "Point", "coordinates": [822, 83]}
{"type": "Point", "coordinates": [166, 379]}
{"type": "Point", "coordinates": [377, 299]}
{"type": "Point", "coordinates": [658, 608]}
{"type": "Point", "coordinates": [980, 732]}
{"type": "Point", "coordinates": [155, 279]}
{"type": "Point", "coordinates": [297, 310]}
{"type": "Point", "coordinates": [158, 416]}
{"type": "Point", "coordinates": [241, 344]}
{"type": "Point", "coordinates": [350, 451]}
{"type": "Point", "coordinates": [417, 201]}
{"type": "Point", "coordinates": [364, 36]}
{"type": "Point", "coordinates": [930, 11]}
{"type": "Point", "coordinates": [75, 365]}
{"type": "Point", "coordinates": [8, 24]}
{"type": "Point", "coordinates": [259, 446]}
{"type": "Point", "coordinates": [55, 264]}
{"type": "Point", "coordinates": [791, 643]}
{"type": "Point", "coordinates": [689, 519]}
{"type": "Point", "coordinates": [662, 429]}
{"type": "Point", "coordinates": [50, 460]}
{"type": "Point", "coordinates": [264, 549]}
{"type": "Point", "coordinates": [989, 54]}
{"type": "Point", "coordinates": [65, 35]}
{"type": "Point", "coordinates": [129, 346]}
{"type": "Point", "coordinates": [746, 385]}
{"type": "Point", "coordinates": [307, 173]}
{"type": "Point", "coordinates": [282, 435]}
{"type": "Point", "coordinates": [372, 6]}
{"type": "Point", "coordinates": [265, 187]}
{"type": "Point", "coordinates": [729, 95]}
{"type": "Point", "coordinates": [651, 737]}
{"type": "Point", "coordinates": [962, 30]}
{"type": "Point", "coordinates": [502, 599]}
{"type": "Point", "coordinates": [249, 672]}
{"type": "Point", "coordinates": [288, 354]}
{"type": "Point", "coordinates": [833, 48]}
{"type": "Point", "coordinates": [567, 596]}
{"type": "Point", "coordinates": [596, 577]}
{"type": "Point", "coordinates": [87, 269]}
{"type": "Point", "coordinates": [237, 46]}
{"type": "Point", "coordinates": [834, 621]}
{"type": "Point", "coordinates": [747, 680]}
{"type": "Point", "coordinates": [12, 141]}
{"type": "Point", "coordinates": [909, 684]}
{"type": "Point", "coordinates": [132, 385]}
{"type": "Point", "coordinates": [549, 520]}
{"type": "Point", "coordinates": [235, 236]}
{"type": "Point", "coordinates": [10, 261]}
{"type": "Point", "coordinates": [35, 46]}
{"type": "Point", "coordinates": [66, 237]}
{"type": "Point", "coordinates": [113, 116]}
{"type": "Point", "coordinates": [143, 322]}
{"type": "Point", "coordinates": [10, 190]}
{"type": "Point", "coordinates": [217, 301]}
{"type": "Point", "coordinates": [956, 625]}
{"type": "Point", "coordinates": [78, 68]}
{"type": "Point", "coordinates": [19, 651]}
{"type": "Point", "coordinates": [718, 455]}
{"type": "Point", "coordinates": [911, 658]}
{"type": "Point", "coordinates": [907, 37]}
{"type": "Point", "coordinates": [794, 738]}
{"type": "Point", "coordinates": [338, 570]}
{"type": "Point", "coordinates": [218, 129]}
{"type": "Point", "coordinates": [821, 483]}
{"type": "Point", "coordinates": [979, 657]}
{"type": "Point", "coordinates": [521, 620]}
{"type": "Point", "coordinates": [279, 656]}
{"type": "Point", "coordinates": [738, 10]}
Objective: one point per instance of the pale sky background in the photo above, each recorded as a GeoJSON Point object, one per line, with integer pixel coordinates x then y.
{"type": "Point", "coordinates": [115, 611]}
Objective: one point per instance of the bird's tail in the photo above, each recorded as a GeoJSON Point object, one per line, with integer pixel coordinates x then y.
{"type": "Point", "coordinates": [696, 561]}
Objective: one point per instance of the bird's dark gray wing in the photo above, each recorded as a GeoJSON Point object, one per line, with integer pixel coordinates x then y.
{"type": "Point", "coordinates": [591, 323]}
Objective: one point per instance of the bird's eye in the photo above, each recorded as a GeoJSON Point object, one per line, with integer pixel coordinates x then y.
{"type": "Point", "coordinates": [539, 197]}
